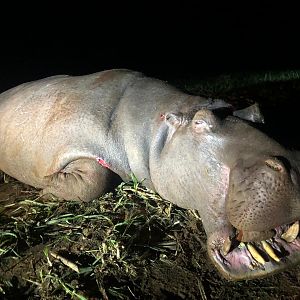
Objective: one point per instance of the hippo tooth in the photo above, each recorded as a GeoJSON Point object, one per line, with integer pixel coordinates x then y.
{"type": "Point", "coordinates": [226, 246]}
{"type": "Point", "coordinates": [291, 234]}
{"type": "Point", "coordinates": [270, 251]}
{"type": "Point", "coordinates": [254, 253]}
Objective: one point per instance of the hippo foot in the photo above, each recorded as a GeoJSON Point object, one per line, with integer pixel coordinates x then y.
{"type": "Point", "coordinates": [82, 179]}
{"type": "Point", "coordinates": [248, 260]}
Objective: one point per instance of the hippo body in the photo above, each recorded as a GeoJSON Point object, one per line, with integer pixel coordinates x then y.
{"type": "Point", "coordinates": [71, 136]}
{"type": "Point", "coordinates": [51, 123]}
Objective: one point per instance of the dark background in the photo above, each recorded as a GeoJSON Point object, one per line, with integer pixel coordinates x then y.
{"type": "Point", "coordinates": [170, 41]}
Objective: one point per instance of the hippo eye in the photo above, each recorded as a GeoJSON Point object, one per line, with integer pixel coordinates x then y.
{"type": "Point", "coordinates": [202, 126]}
{"type": "Point", "coordinates": [203, 121]}
{"type": "Point", "coordinates": [200, 122]}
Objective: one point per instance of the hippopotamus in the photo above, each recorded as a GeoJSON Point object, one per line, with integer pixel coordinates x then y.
{"type": "Point", "coordinates": [72, 136]}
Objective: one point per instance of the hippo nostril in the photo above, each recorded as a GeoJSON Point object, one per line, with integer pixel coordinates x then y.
{"type": "Point", "coordinates": [275, 164]}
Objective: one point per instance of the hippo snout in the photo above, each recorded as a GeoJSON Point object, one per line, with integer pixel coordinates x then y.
{"type": "Point", "coordinates": [263, 195]}
{"type": "Point", "coordinates": [263, 212]}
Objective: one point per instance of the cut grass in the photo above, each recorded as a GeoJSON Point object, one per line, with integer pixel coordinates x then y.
{"type": "Point", "coordinates": [110, 236]}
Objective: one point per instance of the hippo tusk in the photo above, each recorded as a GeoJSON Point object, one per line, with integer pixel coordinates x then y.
{"type": "Point", "coordinates": [226, 246]}
{"type": "Point", "coordinates": [291, 234]}
{"type": "Point", "coordinates": [254, 253]}
{"type": "Point", "coordinates": [270, 251]}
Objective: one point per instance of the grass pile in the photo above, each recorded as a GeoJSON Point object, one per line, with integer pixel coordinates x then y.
{"type": "Point", "coordinates": [100, 249]}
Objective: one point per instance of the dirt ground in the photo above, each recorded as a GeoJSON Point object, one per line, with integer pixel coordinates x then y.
{"type": "Point", "coordinates": [129, 244]}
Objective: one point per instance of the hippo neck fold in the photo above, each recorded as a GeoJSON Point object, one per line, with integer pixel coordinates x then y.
{"type": "Point", "coordinates": [184, 182]}
{"type": "Point", "coordinates": [138, 121]}
{"type": "Point", "coordinates": [142, 135]}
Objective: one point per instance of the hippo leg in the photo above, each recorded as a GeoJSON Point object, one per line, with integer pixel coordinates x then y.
{"type": "Point", "coordinates": [82, 179]}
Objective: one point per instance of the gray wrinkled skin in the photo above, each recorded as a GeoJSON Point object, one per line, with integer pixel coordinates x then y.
{"type": "Point", "coordinates": [244, 185]}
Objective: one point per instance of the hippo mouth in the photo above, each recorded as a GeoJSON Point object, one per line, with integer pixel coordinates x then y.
{"type": "Point", "coordinates": [248, 260]}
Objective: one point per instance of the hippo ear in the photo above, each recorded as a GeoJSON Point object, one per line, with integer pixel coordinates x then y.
{"type": "Point", "coordinates": [203, 121]}
{"type": "Point", "coordinates": [174, 119]}
{"type": "Point", "coordinates": [251, 113]}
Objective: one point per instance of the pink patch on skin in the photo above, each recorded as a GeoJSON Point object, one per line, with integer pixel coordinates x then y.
{"type": "Point", "coordinates": [103, 163]}
{"type": "Point", "coordinates": [162, 116]}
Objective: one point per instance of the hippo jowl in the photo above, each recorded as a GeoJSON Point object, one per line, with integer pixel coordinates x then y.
{"type": "Point", "coordinates": [70, 136]}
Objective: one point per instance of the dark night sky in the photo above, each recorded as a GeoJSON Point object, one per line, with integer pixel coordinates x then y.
{"type": "Point", "coordinates": [168, 41]}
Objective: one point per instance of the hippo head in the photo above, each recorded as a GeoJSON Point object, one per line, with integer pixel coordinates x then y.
{"type": "Point", "coordinates": [244, 185]}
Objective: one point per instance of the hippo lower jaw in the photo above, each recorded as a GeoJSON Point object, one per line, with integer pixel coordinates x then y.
{"type": "Point", "coordinates": [248, 260]}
